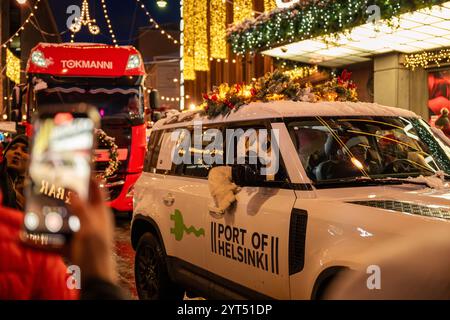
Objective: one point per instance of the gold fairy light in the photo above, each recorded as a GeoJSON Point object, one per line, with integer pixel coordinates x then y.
{"type": "Point", "coordinates": [217, 29]}
{"type": "Point", "coordinates": [85, 19]}
{"type": "Point", "coordinates": [269, 5]}
{"type": "Point", "coordinates": [201, 59]}
{"type": "Point", "coordinates": [423, 59]}
{"type": "Point", "coordinates": [153, 22]}
{"type": "Point", "coordinates": [21, 28]}
{"type": "Point", "coordinates": [242, 9]}
{"type": "Point", "coordinates": [189, 39]}
{"type": "Point", "coordinates": [301, 72]}
{"type": "Point", "coordinates": [108, 21]}
{"type": "Point", "coordinates": [12, 67]}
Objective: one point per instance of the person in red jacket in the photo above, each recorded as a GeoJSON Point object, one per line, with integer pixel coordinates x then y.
{"type": "Point", "coordinates": [30, 274]}
{"type": "Point", "coordinates": [26, 273]}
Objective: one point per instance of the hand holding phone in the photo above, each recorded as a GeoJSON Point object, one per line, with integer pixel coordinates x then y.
{"type": "Point", "coordinates": [61, 163]}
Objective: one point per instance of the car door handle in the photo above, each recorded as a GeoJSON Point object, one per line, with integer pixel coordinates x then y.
{"type": "Point", "coordinates": [169, 200]}
{"type": "Point", "coordinates": [215, 212]}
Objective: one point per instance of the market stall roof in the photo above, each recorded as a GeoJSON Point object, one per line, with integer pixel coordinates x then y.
{"type": "Point", "coordinates": [420, 30]}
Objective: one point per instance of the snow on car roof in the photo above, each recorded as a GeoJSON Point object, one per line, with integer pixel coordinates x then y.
{"type": "Point", "coordinates": [288, 109]}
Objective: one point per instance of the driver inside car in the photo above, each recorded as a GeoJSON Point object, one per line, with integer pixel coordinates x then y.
{"type": "Point", "coordinates": [352, 160]}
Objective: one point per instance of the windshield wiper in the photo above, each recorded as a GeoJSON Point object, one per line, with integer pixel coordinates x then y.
{"type": "Point", "coordinates": [363, 180]}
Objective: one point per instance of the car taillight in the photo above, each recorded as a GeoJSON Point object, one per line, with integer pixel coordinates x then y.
{"type": "Point", "coordinates": [38, 58]}
{"type": "Point", "coordinates": [134, 61]}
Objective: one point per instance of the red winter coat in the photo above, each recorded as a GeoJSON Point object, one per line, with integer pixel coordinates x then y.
{"type": "Point", "coordinates": [26, 273]}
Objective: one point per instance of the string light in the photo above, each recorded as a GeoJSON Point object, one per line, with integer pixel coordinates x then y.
{"type": "Point", "coordinates": [108, 21]}
{"type": "Point", "coordinates": [226, 61]}
{"type": "Point", "coordinates": [153, 22]}
{"type": "Point", "coordinates": [423, 59]}
{"type": "Point", "coordinates": [242, 9]}
{"type": "Point", "coordinates": [301, 72]}
{"type": "Point", "coordinates": [12, 66]}
{"type": "Point", "coordinates": [85, 19]}
{"type": "Point", "coordinates": [218, 21]}
{"type": "Point", "coordinates": [170, 99]}
{"type": "Point", "coordinates": [189, 39]}
{"type": "Point", "coordinates": [201, 62]}
{"type": "Point", "coordinates": [21, 28]}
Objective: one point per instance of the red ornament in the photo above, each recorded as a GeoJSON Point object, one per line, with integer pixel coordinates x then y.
{"type": "Point", "coordinates": [344, 77]}
{"type": "Point", "coordinates": [253, 91]}
{"type": "Point", "coordinates": [214, 97]}
{"type": "Point", "coordinates": [205, 96]}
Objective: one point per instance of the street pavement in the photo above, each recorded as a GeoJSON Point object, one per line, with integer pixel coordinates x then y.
{"type": "Point", "coordinates": [125, 256]}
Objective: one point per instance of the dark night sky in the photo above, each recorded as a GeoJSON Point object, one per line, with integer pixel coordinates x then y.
{"type": "Point", "coordinates": [121, 13]}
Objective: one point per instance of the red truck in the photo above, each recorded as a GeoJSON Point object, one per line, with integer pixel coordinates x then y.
{"type": "Point", "coordinates": [108, 77]}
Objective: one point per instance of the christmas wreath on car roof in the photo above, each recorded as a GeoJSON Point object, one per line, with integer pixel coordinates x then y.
{"type": "Point", "coordinates": [276, 86]}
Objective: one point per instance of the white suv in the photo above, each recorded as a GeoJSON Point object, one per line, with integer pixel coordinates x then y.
{"type": "Point", "coordinates": [347, 176]}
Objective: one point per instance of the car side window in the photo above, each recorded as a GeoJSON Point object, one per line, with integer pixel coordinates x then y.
{"type": "Point", "coordinates": [201, 155]}
{"type": "Point", "coordinates": [154, 145]}
{"type": "Point", "coordinates": [253, 145]}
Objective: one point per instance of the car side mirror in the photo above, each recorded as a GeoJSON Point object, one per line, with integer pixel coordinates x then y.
{"type": "Point", "coordinates": [154, 99]}
{"type": "Point", "coordinates": [246, 175]}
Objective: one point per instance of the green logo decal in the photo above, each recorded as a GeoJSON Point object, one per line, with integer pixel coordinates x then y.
{"type": "Point", "coordinates": [180, 228]}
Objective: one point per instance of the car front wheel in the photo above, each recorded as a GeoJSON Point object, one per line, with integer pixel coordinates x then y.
{"type": "Point", "coordinates": [150, 270]}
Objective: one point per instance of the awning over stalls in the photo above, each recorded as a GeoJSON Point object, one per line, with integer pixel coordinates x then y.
{"type": "Point", "coordinates": [416, 30]}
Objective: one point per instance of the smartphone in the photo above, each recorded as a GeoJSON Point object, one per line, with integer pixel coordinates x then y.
{"type": "Point", "coordinates": [61, 159]}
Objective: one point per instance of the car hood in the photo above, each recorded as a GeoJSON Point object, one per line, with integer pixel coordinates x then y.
{"type": "Point", "coordinates": [407, 198]}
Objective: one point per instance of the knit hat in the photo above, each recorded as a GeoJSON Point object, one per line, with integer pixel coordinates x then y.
{"type": "Point", "coordinates": [17, 139]}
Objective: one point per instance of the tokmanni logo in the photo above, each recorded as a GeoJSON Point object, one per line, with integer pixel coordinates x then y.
{"type": "Point", "coordinates": [180, 228]}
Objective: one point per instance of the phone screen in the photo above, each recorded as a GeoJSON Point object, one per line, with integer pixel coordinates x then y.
{"type": "Point", "coordinates": [61, 160]}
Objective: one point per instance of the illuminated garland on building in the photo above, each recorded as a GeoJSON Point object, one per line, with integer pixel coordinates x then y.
{"type": "Point", "coordinates": [189, 39]}
{"type": "Point", "coordinates": [307, 19]}
{"type": "Point", "coordinates": [242, 9]}
{"type": "Point", "coordinates": [423, 59]}
{"type": "Point", "coordinates": [201, 61]}
{"type": "Point", "coordinates": [108, 21]}
{"type": "Point", "coordinates": [269, 5]}
{"type": "Point", "coordinates": [85, 19]}
{"type": "Point", "coordinates": [217, 29]}
{"type": "Point", "coordinates": [12, 67]}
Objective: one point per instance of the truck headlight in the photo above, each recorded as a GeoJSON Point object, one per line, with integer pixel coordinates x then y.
{"type": "Point", "coordinates": [38, 58]}
{"type": "Point", "coordinates": [134, 61]}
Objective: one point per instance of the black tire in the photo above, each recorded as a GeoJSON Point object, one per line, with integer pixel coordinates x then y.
{"type": "Point", "coordinates": [150, 272]}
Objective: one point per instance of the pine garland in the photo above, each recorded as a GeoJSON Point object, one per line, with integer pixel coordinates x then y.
{"type": "Point", "coordinates": [313, 18]}
{"type": "Point", "coordinates": [114, 162]}
{"type": "Point", "coordinates": [276, 86]}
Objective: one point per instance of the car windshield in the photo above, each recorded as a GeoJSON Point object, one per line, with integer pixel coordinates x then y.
{"type": "Point", "coordinates": [343, 149]}
{"type": "Point", "coordinates": [110, 102]}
